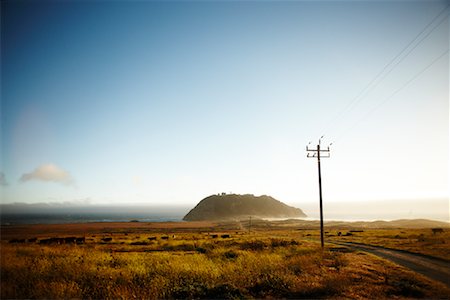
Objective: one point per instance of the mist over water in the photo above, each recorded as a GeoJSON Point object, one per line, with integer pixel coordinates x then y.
{"type": "Point", "coordinates": [388, 210]}
{"type": "Point", "coordinates": [44, 213]}
{"type": "Point", "coordinates": [54, 214]}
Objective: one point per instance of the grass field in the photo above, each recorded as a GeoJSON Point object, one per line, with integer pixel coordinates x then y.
{"type": "Point", "coordinates": [422, 241]}
{"type": "Point", "coordinates": [156, 261]}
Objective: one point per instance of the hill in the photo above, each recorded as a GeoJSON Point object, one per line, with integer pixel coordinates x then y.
{"type": "Point", "coordinates": [380, 224]}
{"type": "Point", "coordinates": [232, 207]}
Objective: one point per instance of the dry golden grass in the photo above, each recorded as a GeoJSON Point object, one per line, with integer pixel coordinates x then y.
{"type": "Point", "coordinates": [275, 264]}
{"type": "Point", "coordinates": [422, 241]}
{"type": "Point", "coordinates": [27, 231]}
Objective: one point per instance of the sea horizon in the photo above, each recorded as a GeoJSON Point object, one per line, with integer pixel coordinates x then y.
{"type": "Point", "coordinates": [76, 218]}
{"type": "Point", "coordinates": [57, 213]}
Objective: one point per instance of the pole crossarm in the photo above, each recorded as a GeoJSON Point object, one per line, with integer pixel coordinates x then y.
{"type": "Point", "coordinates": [314, 155]}
{"type": "Point", "coordinates": [315, 150]}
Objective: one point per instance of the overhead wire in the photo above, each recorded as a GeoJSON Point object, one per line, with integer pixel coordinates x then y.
{"type": "Point", "coordinates": [391, 96]}
{"type": "Point", "coordinates": [379, 77]}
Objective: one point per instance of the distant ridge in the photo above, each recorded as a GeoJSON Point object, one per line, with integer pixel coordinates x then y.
{"type": "Point", "coordinates": [380, 224]}
{"type": "Point", "coordinates": [225, 207]}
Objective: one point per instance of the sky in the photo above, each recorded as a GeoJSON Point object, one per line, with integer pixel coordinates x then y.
{"type": "Point", "coordinates": [167, 102]}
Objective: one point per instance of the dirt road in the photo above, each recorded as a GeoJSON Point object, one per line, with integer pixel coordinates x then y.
{"type": "Point", "coordinates": [433, 268]}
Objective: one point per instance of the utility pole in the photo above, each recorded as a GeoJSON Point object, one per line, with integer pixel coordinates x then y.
{"type": "Point", "coordinates": [317, 153]}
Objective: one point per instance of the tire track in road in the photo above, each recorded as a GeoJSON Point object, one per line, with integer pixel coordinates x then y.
{"type": "Point", "coordinates": [430, 267]}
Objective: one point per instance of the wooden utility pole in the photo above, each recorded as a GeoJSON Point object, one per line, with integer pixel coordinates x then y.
{"type": "Point", "coordinates": [317, 153]}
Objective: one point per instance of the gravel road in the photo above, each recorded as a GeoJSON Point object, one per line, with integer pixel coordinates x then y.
{"type": "Point", "coordinates": [433, 268]}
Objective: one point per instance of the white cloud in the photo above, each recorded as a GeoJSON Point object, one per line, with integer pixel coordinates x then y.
{"type": "Point", "coordinates": [48, 172]}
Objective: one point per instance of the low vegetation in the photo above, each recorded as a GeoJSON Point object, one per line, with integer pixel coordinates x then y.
{"type": "Point", "coordinates": [231, 265]}
{"type": "Point", "coordinates": [421, 241]}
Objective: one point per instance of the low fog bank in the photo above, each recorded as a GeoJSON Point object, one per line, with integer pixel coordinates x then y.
{"type": "Point", "coordinates": [388, 210]}
{"type": "Point", "coordinates": [44, 213]}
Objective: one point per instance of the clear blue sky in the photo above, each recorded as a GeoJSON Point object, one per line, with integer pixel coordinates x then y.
{"type": "Point", "coordinates": [168, 102]}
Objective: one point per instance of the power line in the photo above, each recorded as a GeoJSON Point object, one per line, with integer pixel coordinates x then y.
{"type": "Point", "coordinates": [374, 83]}
{"type": "Point", "coordinates": [392, 95]}
{"type": "Point", "coordinates": [406, 55]}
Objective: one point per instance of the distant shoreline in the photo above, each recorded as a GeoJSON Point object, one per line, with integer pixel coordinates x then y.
{"type": "Point", "coordinates": [12, 220]}
{"type": "Point", "coordinates": [27, 231]}
{"type": "Point", "coordinates": [55, 219]}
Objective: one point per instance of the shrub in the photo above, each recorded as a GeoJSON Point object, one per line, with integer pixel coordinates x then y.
{"type": "Point", "coordinates": [256, 245]}
{"type": "Point", "coordinates": [270, 284]}
{"type": "Point", "coordinates": [230, 254]}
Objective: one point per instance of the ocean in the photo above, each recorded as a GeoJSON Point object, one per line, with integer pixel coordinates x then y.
{"type": "Point", "coordinates": [60, 214]}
